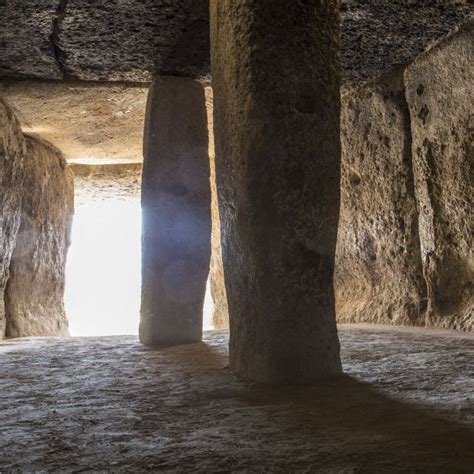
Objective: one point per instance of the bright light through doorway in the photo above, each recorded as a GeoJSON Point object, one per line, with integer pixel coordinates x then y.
{"type": "Point", "coordinates": [103, 274]}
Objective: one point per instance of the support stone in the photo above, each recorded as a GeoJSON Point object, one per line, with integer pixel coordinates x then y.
{"type": "Point", "coordinates": [379, 276]}
{"type": "Point", "coordinates": [34, 296]}
{"type": "Point", "coordinates": [12, 177]}
{"type": "Point", "coordinates": [440, 95]}
{"type": "Point", "coordinates": [276, 123]}
{"type": "Point", "coordinates": [176, 203]}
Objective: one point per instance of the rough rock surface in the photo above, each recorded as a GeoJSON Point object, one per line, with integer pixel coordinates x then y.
{"type": "Point", "coordinates": [379, 278]}
{"type": "Point", "coordinates": [220, 311]}
{"type": "Point", "coordinates": [134, 40]}
{"type": "Point", "coordinates": [89, 123]}
{"type": "Point", "coordinates": [96, 183]}
{"type": "Point", "coordinates": [12, 174]}
{"type": "Point", "coordinates": [277, 152]}
{"type": "Point", "coordinates": [439, 89]}
{"type": "Point", "coordinates": [404, 243]}
{"type": "Point", "coordinates": [26, 46]}
{"type": "Point", "coordinates": [109, 405]}
{"type": "Point", "coordinates": [176, 202]}
{"type": "Point", "coordinates": [105, 122]}
{"type": "Point", "coordinates": [35, 289]}
{"type": "Point", "coordinates": [378, 35]}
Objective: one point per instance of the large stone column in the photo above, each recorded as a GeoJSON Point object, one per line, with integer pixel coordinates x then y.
{"type": "Point", "coordinates": [276, 124]}
{"type": "Point", "coordinates": [176, 212]}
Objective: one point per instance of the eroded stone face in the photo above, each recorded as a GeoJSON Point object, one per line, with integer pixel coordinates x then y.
{"type": "Point", "coordinates": [278, 169]}
{"type": "Point", "coordinates": [35, 289]}
{"type": "Point", "coordinates": [379, 278]}
{"type": "Point", "coordinates": [176, 203]}
{"type": "Point", "coordinates": [379, 35]}
{"type": "Point", "coordinates": [404, 243]}
{"type": "Point", "coordinates": [440, 94]}
{"type": "Point", "coordinates": [220, 311]}
{"type": "Point", "coordinates": [89, 123]}
{"type": "Point", "coordinates": [12, 175]}
{"type": "Point", "coordinates": [134, 40]}
{"type": "Point", "coordinates": [26, 46]}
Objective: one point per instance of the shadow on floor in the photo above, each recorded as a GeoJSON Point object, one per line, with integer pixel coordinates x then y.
{"type": "Point", "coordinates": [109, 404]}
{"type": "Point", "coordinates": [342, 425]}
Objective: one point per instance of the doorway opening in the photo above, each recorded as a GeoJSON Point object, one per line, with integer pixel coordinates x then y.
{"type": "Point", "coordinates": [103, 272]}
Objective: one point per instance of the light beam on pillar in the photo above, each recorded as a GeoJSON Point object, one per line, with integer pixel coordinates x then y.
{"type": "Point", "coordinates": [176, 203]}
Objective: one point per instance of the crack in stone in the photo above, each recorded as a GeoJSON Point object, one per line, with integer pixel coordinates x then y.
{"type": "Point", "coordinates": [58, 52]}
{"type": "Point", "coordinates": [409, 160]}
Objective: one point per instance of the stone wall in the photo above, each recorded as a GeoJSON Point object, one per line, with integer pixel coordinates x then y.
{"type": "Point", "coordinates": [440, 95]}
{"type": "Point", "coordinates": [37, 208]}
{"type": "Point", "coordinates": [220, 311]}
{"type": "Point", "coordinates": [34, 295]}
{"type": "Point", "coordinates": [404, 245]}
{"type": "Point", "coordinates": [12, 157]}
{"type": "Point", "coordinates": [378, 278]}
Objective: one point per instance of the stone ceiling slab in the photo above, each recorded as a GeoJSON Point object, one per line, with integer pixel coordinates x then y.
{"type": "Point", "coordinates": [132, 40]}
{"type": "Point", "coordinates": [26, 46]}
{"type": "Point", "coordinates": [378, 35]}
{"type": "Point", "coordinates": [89, 123]}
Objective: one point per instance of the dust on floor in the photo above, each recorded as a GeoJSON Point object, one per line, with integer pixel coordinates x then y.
{"type": "Point", "coordinates": [109, 403]}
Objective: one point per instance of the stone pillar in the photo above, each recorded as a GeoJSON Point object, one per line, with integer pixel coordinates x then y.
{"type": "Point", "coordinates": [276, 124]}
{"type": "Point", "coordinates": [12, 178]}
{"type": "Point", "coordinates": [176, 212]}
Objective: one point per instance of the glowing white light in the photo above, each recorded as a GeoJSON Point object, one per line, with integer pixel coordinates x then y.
{"type": "Point", "coordinates": [103, 275]}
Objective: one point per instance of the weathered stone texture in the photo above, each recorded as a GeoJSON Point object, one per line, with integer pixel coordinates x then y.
{"type": "Point", "coordinates": [220, 311]}
{"type": "Point", "coordinates": [88, 122]}
{"type": "Point", "coordinates": [12, 174]}
{"type": "Point", "coordinates": [440, 94]}
{"type": "Point", "coordinates": [96, 183]}
{"type": "Point", "coordinates": [379, 278]}
{"type": "Point", "coordinates": [26, 46]}
{"type": "Point", "coordinates": [34, 294]}
{"type": "Point", "coordinates": [405, 235]}
{"type": "Point", "coordinates": [278, 170]}
{"type": "Point", "coordinates": [135, 40]}
{"type": "Point", "coordinates": [176, 201]}
{"type": "Point", "coordinates": [379, 35]}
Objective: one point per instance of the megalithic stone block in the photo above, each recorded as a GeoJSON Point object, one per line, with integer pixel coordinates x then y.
{"type": "Point", "coordinates": [34, 296]}
{"type": "Point", "coordinates": [276, 123]}
{"type": "Point", "coordinates": [440, 94]}
{"type": "Point", "coordinates": [176, 201]}
{"type": "Point", "coordinates": [12, 177]}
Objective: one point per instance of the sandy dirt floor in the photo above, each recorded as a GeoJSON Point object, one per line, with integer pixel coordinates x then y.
{"type": "Point", "coordinates": [110, 404]}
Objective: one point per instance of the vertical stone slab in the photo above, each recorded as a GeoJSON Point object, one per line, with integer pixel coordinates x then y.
{"type": "Point", "coordinates": [34, 296]}
{"type": "Point", "coordinates": [440, 95]}
{"type": "Point", "coordinates": [12, 174]}
{"type": "Point", "coordinates": [220, 312]}
{"type": "Point", "coordinates": [276, 122]}
{"type": "Point", "coordinates": [176, 202]}
{"type": "Point", "coordinates": [379, 277]}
